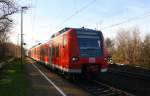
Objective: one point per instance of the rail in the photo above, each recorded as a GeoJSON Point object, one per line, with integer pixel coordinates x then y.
{"type": "Point", "coordinates": [98, 88]}
{"type": "Point", "coordinates": [130, 74]}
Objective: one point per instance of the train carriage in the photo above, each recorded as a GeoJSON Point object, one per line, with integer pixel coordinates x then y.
{"type": "Point", "coordinates": [73, 51]}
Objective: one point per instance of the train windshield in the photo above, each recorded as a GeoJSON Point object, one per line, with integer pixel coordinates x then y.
{"type": "Point", "coordinates": [89, 42]}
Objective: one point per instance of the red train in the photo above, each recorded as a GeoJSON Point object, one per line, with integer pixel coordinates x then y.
{"type": "Point", "coordinates": [73, 51]}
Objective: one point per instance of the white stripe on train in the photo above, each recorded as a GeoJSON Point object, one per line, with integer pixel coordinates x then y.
{"type": "Point", "coordinates": [69, 70]}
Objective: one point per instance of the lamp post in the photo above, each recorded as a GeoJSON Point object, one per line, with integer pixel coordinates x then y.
{"type": "Point", "coordinates": [22, 9]}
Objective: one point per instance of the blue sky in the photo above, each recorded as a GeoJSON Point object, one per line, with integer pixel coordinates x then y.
{"type": "Point", "coordinates": [43, 17]}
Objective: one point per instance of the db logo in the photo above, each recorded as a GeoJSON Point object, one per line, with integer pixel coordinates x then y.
{"type": "Point", "coordinates": [91, 60]}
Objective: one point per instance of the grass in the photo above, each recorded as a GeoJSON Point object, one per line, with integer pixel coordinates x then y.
{"type": "Point", "coordinates": [13, 81]}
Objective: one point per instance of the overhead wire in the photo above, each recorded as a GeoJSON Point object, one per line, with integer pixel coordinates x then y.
{"type": "Point", "coordinates": [34, 16]}
{"type": "Point", "coordinates": [87, 5]}
{"type": "Point", "coordinates": [128, 20]}
{"type": "Point", "coordinates": [75, 13]}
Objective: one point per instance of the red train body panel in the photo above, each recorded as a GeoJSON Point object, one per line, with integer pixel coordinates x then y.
{"type": "Point", "coordinates": [73, 50]}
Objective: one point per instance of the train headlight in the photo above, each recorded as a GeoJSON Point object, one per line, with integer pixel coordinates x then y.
{"type": "Point", "coordinates": [75, 58]}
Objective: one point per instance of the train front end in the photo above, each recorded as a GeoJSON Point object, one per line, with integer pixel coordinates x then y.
{"type": "Point", "coordinates": [87, 51]}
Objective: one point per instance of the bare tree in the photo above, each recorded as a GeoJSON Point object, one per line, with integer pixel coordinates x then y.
{"type": "Point", "coordinates": [136, 46]}
{"type": "Point", "coordinates": [122, 51]}
{"type": "Point", "coordinates": [128, 46]}
{"type": "Point", "coordinates": [109, 43]}
{"type": "Point", "coordinates": [12, 49]}
{"type": "Point", "coordinates": [7, 8]}
{"type": "Point", "coordinates": [146, 51]}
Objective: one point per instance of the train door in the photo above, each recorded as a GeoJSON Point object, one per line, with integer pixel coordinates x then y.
{"type": "Point", "coordinates": [50, 54]}
{"type": "Point", "coordinates": [57, 55]}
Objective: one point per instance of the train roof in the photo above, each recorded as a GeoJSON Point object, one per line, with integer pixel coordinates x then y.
{"type": "Point", "coordinates": [64, 30]}
{"type": "Point", "coordinates": [78, 29]}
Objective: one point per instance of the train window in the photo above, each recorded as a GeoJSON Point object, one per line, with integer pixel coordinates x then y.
{"type": "Point", "coordinates": [99, 43]}
{"type": "Point", "coordinates": [57, 51]}
{"type": "Point", "coordinates": [89, 47]}
{"type": "Point", "coordinates": [34, 51]}
{"type": "Point", "coordinates": [64, 41]}
{"type": "Point", "coordinates": [53, 51]}
{"type": "Point", "coordinates": [42, 51]}
{"type": "Point", "coordinates": [88, 42]}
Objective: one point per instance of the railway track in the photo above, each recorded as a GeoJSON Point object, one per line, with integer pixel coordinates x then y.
{"type": "Point", "coordinates": [97, 88]}
{"type": "Point", "coordinates": [130, 74]}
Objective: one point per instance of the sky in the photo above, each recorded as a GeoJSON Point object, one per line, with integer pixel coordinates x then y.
{"type": "Point", "coordinates": [45, 17]}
